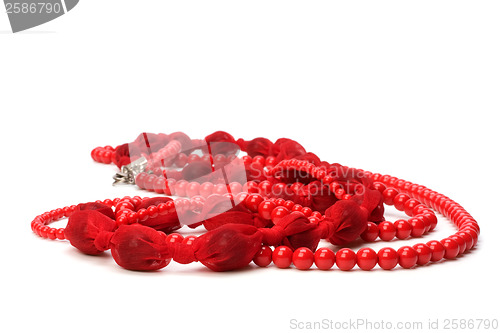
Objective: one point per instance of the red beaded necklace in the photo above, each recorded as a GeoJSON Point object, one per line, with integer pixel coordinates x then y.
{"type": "Point", "coordinates": [140, 231]}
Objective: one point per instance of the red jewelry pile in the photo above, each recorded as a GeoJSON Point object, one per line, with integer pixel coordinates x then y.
{"type": "Point", "coordinates": [282, 197]}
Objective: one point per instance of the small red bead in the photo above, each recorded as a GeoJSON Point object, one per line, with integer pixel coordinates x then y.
{"type": "Point", "coordinates": [180, 188]}
{"type": "Point", "coordinates": [387, 231]}
{"type": "Point", "coordinates": [408, 257]}
{"type": "Point", "coordinates": [60, 233]}
{"type": "Point", "coordinates": [432, 220]}
{"type": "Point", "coordinates": [451, 247]}
{"type": "Point", "coordinates": [264, 257]}
{"type": "Point", "coordinates": [387, 258]}
{"type": "Point", "coordinates": [467, 238]}
{"type": "Point", "coordinates": [403, 229]}
{"type": "Point", "coordinates": [306, 211]}
{"type": "Point", "coordinates": [51, 233]}
{"type": "Point", "coordinates": [424, 253]}
{"type": "Point", "coordinates": [192, 189]}
{"type": "Point", "coordinates": [409, 205]}
{"type": "Point", "coordinates": [265, 209]}
{"type": "Point", "coordinates": [438, 250]}
{"type": "Point", "coordinates": [389, 195]}
{"type": "Point", "coordinates": [345, 259]}
{"type": "Point", "coordinates": [371, 232]}
{"type": "Point", "coordinates": [206, 189]}
{"type": "Point", "coordinates": [278, 213]}
{"type": "Point", "coordinates": [324, 258]}
{"type": "Point", "coordinates": [303, 258]}
{"type": "Point", "coordinates": [461, 243]}
{"type": "Point", "coordinates": [253, 201]}
{"type": "Point", "coordinates": [175, 238]}
{"type": "Point", "coordinates": [417, 226]}
{"type": "Point", "coordinates": [282, 256]}
{"type": "Point", "coordinates": [366, 258]}
{"type": "Point", "coordinates": [400, 200]}
{"type": "Point", "coordinates": [189, 240]}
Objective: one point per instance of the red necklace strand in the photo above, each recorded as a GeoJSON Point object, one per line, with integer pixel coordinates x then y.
{"type": "Point", "coordinates": [291, 228]}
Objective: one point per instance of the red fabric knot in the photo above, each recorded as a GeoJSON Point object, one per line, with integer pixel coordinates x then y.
{"type": "Point", "coordinates": [272, 236]}
{"type": "Point", "coordinates": [229, 247]}
{"type": "Point", "coordinates": [85, 227]}
{"type": "Point", "coordinates": [349, 221]}
{"type": "Point", "coordinates": [141, 248]}
{"type": "Point", "coordinates": [181, 253]}
{"type": "Point", "coordinates": [257, 146]}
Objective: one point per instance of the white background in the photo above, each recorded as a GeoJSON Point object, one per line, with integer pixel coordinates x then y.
{"type": "Point", "coordinates": [407, 88]}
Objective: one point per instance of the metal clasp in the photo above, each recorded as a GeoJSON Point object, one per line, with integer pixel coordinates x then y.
{"type": "Point", "coordinates": [128, 172]}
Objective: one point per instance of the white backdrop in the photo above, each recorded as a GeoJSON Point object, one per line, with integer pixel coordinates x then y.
{"type": "Point", "coordinates": [407, 88]}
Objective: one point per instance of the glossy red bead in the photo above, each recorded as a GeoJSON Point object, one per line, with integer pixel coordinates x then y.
{"type": "Point", "coordinates": [417, 226]}
{"type": "Point", "coordinates": [409, 206]}
{"type": "Point", "coordinates": [408, 257]}
{"type": "Point", "coordinates": [253, 201]}
{"type": "Point", "coordinates": [265, 209]}
{"type": "Point", "coordinates": [424, 253]}
{"type": "Point", "coordinates": [400, 200]}
{"type": "Point", "coordinates": [282, 256]}
{"type": "Point", "coordinates": [389, 195]}
{"type": "Point", "coordinates": [345, 259]}
{"type": "Point", "coordinates": [387, 258]}
{"type": "Point", "coordinates": [371, 232]}
{"type": "Point", "coordinates": [366, 258]}
{"type": "Point", "coordinates": [324, 258]}
{"type": "Point", "coordinates": [432, 220]}
{"type": "Point", "coordinates": [451, 247]}
{"type": "Point", "coordinates": [460, 241]}
{"type": "Point", "coordinates": [437, 249]}
{"type": "Point", "coordinates": [189, 240]}
{"type": "Point", "coordinates": [303, 258]}
{"type": "Point", "coordinates": [403, 229]}
{"type": "Point", "coordinates": [264, 257]}
{"type": "Point", "coordinates": [174, 238]}
{"type": "Point", "coordinates": [278, 213]}
{"type": "Point", "coordinates": [387, 231]}
{"type": "Point", "coordinates": [467, 239]}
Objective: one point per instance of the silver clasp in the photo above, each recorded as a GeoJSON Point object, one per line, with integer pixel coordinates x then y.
{"type": "Point", "coordinates": [128, 172]}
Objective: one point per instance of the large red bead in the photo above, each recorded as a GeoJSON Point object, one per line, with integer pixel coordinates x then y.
{"type": "Point", "coordinates": [387, 231]}
{"type": "Point", "coordinates": [264, 257]}
{"type": "Point", "coordinates": [437, 250]}
{"type": "Point", "coordinates": [324, 258]}
{"type": "Point", "coordinates": [451, 247]}
{"type": "Point", "coordinates": [400, 200]}
{"type": "Point", "coordinates": [366, 258]}
{"type": "Point", "coordinates": [345, 259]}
{"type": "Point", "coordinates": [424, 253]}
{"type": "Point", "coordinates": [371, 232]}
{"type": "Point", "coordinates": [408, 257]}
{"type": "Point", "coordinates": [303, 258]}
{"type": "Point", "coordinates": [403, 229]}
{"type": "Point", "coordinates": [282, 256]}
{"type": "Point", "coordinates": [387, 258]}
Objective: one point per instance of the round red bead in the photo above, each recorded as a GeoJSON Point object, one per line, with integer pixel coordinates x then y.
{"type": "Point", "coordinates": [461, 243]}
{"type": "Point", "coordinates": [403, 229]}
{"type": "Point", "coordinates": [366, 258]}
{"type": "Point", "coordinates": [324, 258]}
{"type": "Point", "coordinates": [438, 250]}
{"type": "Point", "coordinates": [451, 247]}
{"type": "Point", "coordinates": [265, 209]}
{"type": "Point", "coordinates": [371, 232]}
{"type": "Point", "coordinates": [387, 231]}
{"type": "Point", "coordinates": [408, 257]}
{"type": "Point", "coordinates": [387, 258]}
{"type": "Point", "coordinates": [282, 256]}
{"type": "Point", "coordinates": [400, 200]}
{"type": "Point", "coordinates": [424, 253]}
{"type": "Point", "coordinates": [417, 226]}
{"type": "Point", "coordinates": [345, 259]}
{"type": "Point", "coordinates": [264, 257]}
{"type": "Point", "coordinates": [303, 258]}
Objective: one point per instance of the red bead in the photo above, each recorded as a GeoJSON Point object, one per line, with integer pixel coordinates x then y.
{"type": "Point", "coordinates": [306, 211]}
{"type": "Point", "coordinates": [189, 240]}
{"type": "Point", "coordinates": [387, 258]}
{"type": "Point", "coordinates": [264, 257]}
{"type": "Point", "coordinates": [387, 231]}
{"type": "Point", "coordinates": [461, 243]}
{"type": "Point", "coordinates": [282, 256]}
{"type": "Point", "coordinates": [438, 250]}
{"type": "Point", "coordinates": [408, 257]}
{"type": "Point", "coordinates": [467, 238]}
{"type": "Point", "coordinates": [371, 232]}
{"type": "Point", "coordinates": [451, 247]}
{"type": "Point", "coordinates": [417, 226]}
{"type": "Point", "coordinates": [389, 195]}
{"type": "Point", "coordinates": [192, 189]}
{"type": "Point", "coordinates": [409, 205]}
{"type": "Point", "coordinates": [206, 189]}
{"type": "Point", "coordinates": [51, 233]}
{"type": "Point", "coordinates": [424, 253]}
{"type": "Point", "coordinates": [278, 213]}
{"type": "Point", "coordinates": [400, 200]}
{"type": "Point", "coordinates": [175, 238]}
{"type": "Point", "coordinates": [403, 229]}
{"type": "Point", "coordinates": [345, 259]}
{"type": "Point", "coordinates": [60, 233]}
{"type": "Point", "coordinates": [432, 220]}
{"type": "Point", "coordinates": [366, 258]}
{"type": "Point", "coordinates": [265, 209]}
{"type": "Point", "coordinates": [324, 258]}
{"type": "Point", "coordinates": [253, 201]}
{"type": "Point", "coordinates": [303, 258]}
{"type": "Point", "coordinates": [180, 188]}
